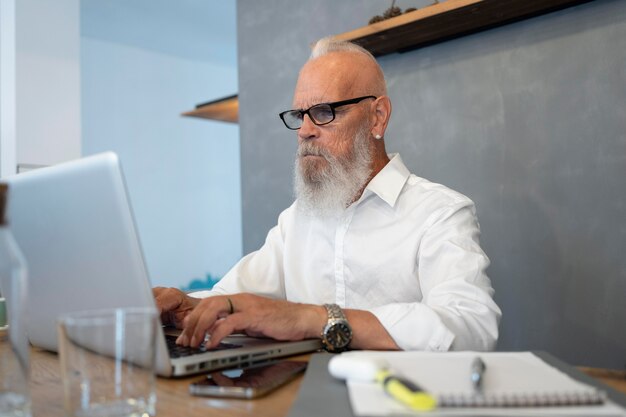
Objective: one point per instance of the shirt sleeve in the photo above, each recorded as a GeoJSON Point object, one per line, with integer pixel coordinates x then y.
{"type": "Point", "coordinates": [260, 272]}
{"type": "Point", "coordinates": [457, 311]}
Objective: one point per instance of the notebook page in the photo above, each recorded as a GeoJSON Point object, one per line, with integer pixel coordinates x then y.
{"type": "Point", "coordinates": [508, 374]}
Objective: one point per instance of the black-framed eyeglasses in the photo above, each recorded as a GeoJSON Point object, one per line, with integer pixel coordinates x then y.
{"type": "Point", "coordinates": [320, 114]}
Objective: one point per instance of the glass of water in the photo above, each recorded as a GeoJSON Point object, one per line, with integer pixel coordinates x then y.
{"type": "Point", "coordinates": [14, 349]}
{"type": "Point", "coordinates": [108, 362]}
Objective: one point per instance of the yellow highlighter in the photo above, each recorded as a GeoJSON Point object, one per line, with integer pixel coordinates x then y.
{"type": "Point", "coordinates": [353, 366]}
{"type": "Point", "coordinates": [405, 391]}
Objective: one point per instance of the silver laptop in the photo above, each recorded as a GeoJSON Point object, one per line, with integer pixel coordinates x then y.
{"type": "Point", "coordinates": [74, 224]}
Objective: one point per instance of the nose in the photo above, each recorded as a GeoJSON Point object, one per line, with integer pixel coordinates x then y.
{"type": "Point", "coordinates": [308, 130]}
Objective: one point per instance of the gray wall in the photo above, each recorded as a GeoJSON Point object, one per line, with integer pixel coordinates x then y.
{"type": "Point", "coordinates": [529, 120]}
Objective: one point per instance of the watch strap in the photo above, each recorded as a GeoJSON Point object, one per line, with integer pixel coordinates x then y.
{"type": "Point", "coordinates": [335, 312]}
{"type": "Point", "coordinates": [336, 317]}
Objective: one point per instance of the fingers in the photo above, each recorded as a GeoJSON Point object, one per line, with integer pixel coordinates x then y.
{"type": "Point", "coordinates": [157, 293]}
{"type": "Point", "coordinates": [230, 309]}
{"type": "Point", "coordinates": [203, 318]}
{"type": "Point", "coordinates": [168, 299]}
{"type": "Point", "coordinates": [173, 305]}
{"type": "Point", "coordinates": [255, 315]}
{"type": "Point", "coordinates": [225, 327]}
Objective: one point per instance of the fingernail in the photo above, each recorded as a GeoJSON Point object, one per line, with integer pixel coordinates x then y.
{"type": "Point", "coordinates": [193, 340]}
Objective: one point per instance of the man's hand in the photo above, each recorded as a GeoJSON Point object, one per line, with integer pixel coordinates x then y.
{"type": "Point", "coordinates": [253, 315]}
{"type": "Point", "coordinates": [173, 305]}
{"type": "Point", "coordinates": [259, 316]}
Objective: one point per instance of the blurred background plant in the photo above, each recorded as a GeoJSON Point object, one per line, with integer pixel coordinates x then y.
{"type": "Point", "coordinates": [201, 284]}
{"type": "Point", "coordinates": [393, 11]}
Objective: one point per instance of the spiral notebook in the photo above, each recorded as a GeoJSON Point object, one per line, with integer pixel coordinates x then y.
{"type": "Point", "coordinates": [514, 383]}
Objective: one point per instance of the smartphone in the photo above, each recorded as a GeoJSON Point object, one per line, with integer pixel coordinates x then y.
{"type": "Point", "coordinates": [249, 382]}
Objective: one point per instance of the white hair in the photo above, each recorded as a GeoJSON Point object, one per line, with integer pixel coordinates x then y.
{"type": "Point", "coordinates": [330, 44]}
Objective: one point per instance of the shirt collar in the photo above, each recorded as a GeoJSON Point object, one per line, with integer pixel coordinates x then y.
{"type": "Point", "coordinates": [388, 183]}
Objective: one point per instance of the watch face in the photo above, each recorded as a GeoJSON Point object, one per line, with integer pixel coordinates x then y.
{"type": "Point", "coordinates": [339, 335]}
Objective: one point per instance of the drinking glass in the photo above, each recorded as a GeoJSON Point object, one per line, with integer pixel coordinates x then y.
{"type": "Point", "coordinates": [108, 362]}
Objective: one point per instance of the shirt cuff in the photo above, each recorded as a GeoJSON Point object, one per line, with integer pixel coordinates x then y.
{"type": "Point", "coordinates": [200, 294]}
{"type": "Point", "coordinates": [414, 326]}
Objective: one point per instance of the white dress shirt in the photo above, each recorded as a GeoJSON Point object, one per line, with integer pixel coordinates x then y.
{"type": "Point", "coordinates": [408, 251]}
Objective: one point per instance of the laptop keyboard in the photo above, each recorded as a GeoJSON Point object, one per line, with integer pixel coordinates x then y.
{"type": "Point", "coordinates": [177, 351]}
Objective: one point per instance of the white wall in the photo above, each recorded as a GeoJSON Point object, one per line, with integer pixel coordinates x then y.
{"type": "Point", "coordinates": [131, 68]}
{"type": "Point", "coordinates": [48, 81]}
{"type": "Point", "coordinates": [8, 155]}
{"type": "Point", "coordinates": [182, 173]}
{"type": "Point", "coordinates": [40, 82]}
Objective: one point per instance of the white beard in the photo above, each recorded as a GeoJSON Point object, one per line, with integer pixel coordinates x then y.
{"type": "Point", "coordinates": [327, 191]}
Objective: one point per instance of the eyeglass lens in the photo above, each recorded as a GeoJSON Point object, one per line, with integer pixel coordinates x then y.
{"type": "Point", "coordinates": [320, 114]}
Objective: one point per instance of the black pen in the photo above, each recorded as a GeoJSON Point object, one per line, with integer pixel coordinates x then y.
{"type": "Point", "coordinates": [477, 372]}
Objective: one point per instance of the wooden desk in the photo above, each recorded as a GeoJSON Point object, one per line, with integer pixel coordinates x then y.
{"type": "Point", "coordinates": [613, 378]}
{"type": "Point", "coordinates": [173, 398]}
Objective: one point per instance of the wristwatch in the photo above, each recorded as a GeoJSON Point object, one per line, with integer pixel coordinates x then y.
{"type": "Point", "coordinates": [337, 333]}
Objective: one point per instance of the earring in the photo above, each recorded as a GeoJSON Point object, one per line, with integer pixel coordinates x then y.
{"type": "Point", "coordinates": [377, 137]}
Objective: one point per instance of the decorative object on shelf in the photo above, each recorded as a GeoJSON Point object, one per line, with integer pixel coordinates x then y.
{"type": "Point", "coordinates": [447, 20]}
{"type": "Point", "coordinates": [392, 11]}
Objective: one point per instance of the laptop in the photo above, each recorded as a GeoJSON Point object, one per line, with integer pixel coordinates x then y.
{"type": "Point", "coordinates": [75, 227]}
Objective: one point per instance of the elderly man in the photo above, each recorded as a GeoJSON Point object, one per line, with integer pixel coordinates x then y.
{"type": "Point", "coordinates": [369, 256]}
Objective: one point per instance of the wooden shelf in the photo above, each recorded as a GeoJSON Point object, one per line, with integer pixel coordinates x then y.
{"type": "Point", "coordinates": [225, 109]}
{"type": "Point", "coordinates": [447, 20]}
{"type": "Point", "coordinates": [426, 26]}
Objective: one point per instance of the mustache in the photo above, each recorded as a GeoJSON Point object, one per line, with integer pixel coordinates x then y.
{"type": "Point", "coordinates": [310, 149]}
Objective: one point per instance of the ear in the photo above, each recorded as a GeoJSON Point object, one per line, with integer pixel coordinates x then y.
{"type": "Point", "coordinates": [381, 112]}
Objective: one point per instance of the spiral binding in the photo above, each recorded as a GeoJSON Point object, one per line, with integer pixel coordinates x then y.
{"type": "Point", "coordinates": [524, 399]}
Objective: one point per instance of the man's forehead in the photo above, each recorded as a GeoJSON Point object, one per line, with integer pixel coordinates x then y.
{"type": "Point", "coordinates": [304, 101]}
{"type": "Point", "coordinates": [333, 77]}
{"type": "Point", "coordinates": [324, 80]}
